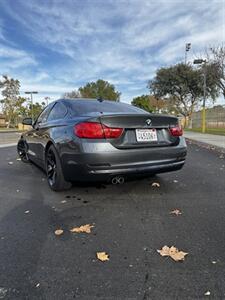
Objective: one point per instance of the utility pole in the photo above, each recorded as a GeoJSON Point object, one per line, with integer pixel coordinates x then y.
{"type": "Point", "coordinates": [187, 48]}
{"type": "Point", "coordinates": [200, 62]}
{"type": "Point", "coordinates": [31, 98]}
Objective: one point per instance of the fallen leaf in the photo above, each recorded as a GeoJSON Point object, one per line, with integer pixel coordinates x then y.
{"type": "Point", "coordinates": [58, 232]}
{"type": "Point", "coordinates": [38, 284]}
{"type": "Point", "coordinates": [176, 212]}
{"type": "Point", "coordinates": [173, 252]}
{"type": "Point", "coordinates": [207, 293]}
{"type": "Point", "coordinates": [155, 184]}
{"type": "Point", "coordinates": [10, 163]}
{"type": "Point", "coordinates": [27, 212]}
{"type": "Point", "coordinates": [103, 256]}
{"type": "Point", "coordinates": [84, 228]}
{"type": "Point", "coordinates": [165, 251]}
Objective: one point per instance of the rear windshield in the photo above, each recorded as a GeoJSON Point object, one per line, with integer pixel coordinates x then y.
{"type": "Point", "coordinates": [92, 107]}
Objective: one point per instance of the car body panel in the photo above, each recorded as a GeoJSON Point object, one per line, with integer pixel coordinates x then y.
{"type": "Point", "coordinates": [100, 159]}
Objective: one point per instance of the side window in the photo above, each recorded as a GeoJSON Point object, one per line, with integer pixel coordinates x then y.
{"type": "Point", "coordinates": [43, 116]}
{"type": "Point", "coordinates": [58, 112]}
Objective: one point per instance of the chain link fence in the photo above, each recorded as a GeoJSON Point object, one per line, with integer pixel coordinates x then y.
{"type": "Point", "coordinates": [215, 118]}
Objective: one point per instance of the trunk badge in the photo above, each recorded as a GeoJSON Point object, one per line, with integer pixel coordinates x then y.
{"type": "Point", "coordinates": [148, 122]}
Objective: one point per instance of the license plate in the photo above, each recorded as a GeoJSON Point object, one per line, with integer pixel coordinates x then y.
{"type": "Point", "coordinates": [146, 135]}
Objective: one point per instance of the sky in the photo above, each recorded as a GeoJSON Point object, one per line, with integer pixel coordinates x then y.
{"type": "Point", "coordinates": [57, 46]}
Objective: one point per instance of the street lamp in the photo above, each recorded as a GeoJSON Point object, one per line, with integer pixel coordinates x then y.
{"type": "Point", "coordinates": [199, 62]}
{"type": "Point", "coordinates": [31, 97]}
{"type": "Point", "coordinates": [187, 48]}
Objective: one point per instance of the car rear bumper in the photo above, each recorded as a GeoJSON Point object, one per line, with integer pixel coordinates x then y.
{"type": "Point", "coordinates": [103, 166]}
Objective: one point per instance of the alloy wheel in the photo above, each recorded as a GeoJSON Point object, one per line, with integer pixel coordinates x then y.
{"type": "Point", "coordinates": [51, 167]}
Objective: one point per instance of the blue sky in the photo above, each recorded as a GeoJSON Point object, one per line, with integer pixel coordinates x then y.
{"type": "Point", "coordinates": [57, 46]}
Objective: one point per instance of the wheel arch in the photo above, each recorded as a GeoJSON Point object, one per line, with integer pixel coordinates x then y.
{"type": "Point", "coordinates": [49, 143]}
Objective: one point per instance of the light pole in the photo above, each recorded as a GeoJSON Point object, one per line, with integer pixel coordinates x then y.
{"type": "Point", "coordinates": [199, 62]}
{"type": "Point", "coordinates": [31, 98]}
{"type": "Point", "coordinates": [187, 48]}
{"type": "Point", "coordinates": [47, 99]}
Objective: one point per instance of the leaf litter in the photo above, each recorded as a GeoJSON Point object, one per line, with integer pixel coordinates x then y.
{"type": "Point", "coordinates": [172, 252]}
{"type": "Point", "coordinates": [58, 231]}
{"type": "Point", "coordinates": [103, 256]}
{"type": "Point", "coordinates": [63, 201]}
{"type": "Point", "coordinates": [207, 293]}
{"type": "Point", "coordinates": [176, 212]}
{"type": "Point", "coordinates": [82, 229]}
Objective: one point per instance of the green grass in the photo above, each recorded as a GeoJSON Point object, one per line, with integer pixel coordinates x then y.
{"type": "Point", "coordinates": [217, 131]}
{"type": "Point", "coordinates": [8, 129]}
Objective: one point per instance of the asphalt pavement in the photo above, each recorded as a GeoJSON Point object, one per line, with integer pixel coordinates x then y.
{"type": "Point", "coordinates": [131, 221]}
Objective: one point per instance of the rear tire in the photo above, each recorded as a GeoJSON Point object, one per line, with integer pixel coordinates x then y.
{"type": "Point", "coordinates": [22, 149]}
{"type": "Point", "coordinates": [54, 171]}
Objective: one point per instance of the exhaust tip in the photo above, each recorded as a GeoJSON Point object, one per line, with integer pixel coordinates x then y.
{"type": "Point", "coordinates": [118, 180]}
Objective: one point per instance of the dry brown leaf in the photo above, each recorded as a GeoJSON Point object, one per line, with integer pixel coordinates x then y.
{"type": "Point", "coordinates": [173, 252]}
{"type": "Point", "coordinates": [103, 256]}
{"type": "Point", "coordinates": [165, 251]}
{"type": "Point", "coordinates": [155, 184]}
{"type": "Point", "coordinates": [58, 232]}
{"type": "Point", "coordinates": [176, 212]}
{"type": "Point", "coordinates": [84, 228]}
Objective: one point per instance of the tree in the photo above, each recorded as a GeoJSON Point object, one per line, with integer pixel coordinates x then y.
{"type": "Point", "coordinates": [11, 100]}
{"type": "Point", "coordinates": [100, 89]}
{"type": "Point", "coordinates": [142, 102]}
{"type": "Point", "coordinates": [37, 109]}
{"type": "Point", "coordinates": [216, 66]}
{"type": "Point", "coordinates": [183, 86]}
{"type": "Point", "coordinates": [72, 95]}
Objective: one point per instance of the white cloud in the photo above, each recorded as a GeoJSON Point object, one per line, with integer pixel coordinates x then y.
{"type": "Point", "coordinates": [122, 41]}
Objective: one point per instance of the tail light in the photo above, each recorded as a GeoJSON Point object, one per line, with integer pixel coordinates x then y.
{"type": "Point", "coordinates": [94, 130]}
{"type": "Point", "coordinates": [176, 131]}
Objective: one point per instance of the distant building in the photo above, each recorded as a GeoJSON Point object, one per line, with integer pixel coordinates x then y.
{"type": "Point", "coordinates": [2, 120]}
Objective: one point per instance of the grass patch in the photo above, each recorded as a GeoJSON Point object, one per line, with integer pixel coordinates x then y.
{"type": "Point", "coordinates": [217, 131]}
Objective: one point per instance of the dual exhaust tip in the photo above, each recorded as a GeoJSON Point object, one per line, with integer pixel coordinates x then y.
{"type": "Point", "coordinates": [118, 180]}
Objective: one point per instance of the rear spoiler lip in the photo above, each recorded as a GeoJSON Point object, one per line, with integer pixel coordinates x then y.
{"type": "Point", "coordinates": [139, 115]}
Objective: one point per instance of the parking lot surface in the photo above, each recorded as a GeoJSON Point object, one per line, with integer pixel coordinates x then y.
{"type": "Point", "coordinates": [131, 221]}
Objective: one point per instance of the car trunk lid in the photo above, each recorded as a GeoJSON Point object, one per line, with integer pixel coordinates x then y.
{"type": "Point", "coordinates": [141, 130]}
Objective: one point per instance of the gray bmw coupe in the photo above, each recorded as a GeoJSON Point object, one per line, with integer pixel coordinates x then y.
{"type": "Point", "coordinates": [99, 140]}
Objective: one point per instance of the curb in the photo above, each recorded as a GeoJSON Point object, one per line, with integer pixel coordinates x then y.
{"type": "Point", "coordinates": [8, 145]}
{"type": "Point", "coordinates": [206, 145]}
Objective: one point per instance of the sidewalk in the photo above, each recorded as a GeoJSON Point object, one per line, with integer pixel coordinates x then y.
{"type": "Point", "coordinates": [9, 138]}
{"type": "Point", "coordinates": [211, 139]}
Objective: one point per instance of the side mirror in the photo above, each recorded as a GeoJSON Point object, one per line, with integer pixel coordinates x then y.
{"type": "Point", "coordinates": [27, 121]}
